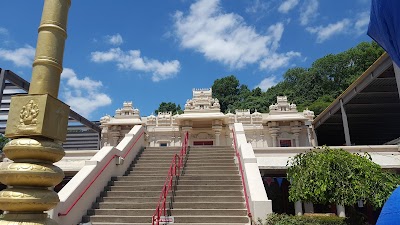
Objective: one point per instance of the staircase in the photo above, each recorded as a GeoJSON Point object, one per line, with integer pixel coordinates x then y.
{"type": "Point", "coordinates": [209, 192]}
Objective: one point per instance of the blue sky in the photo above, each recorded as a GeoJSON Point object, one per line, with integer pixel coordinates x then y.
{"type": "Point", "coordinates": [152, 51]}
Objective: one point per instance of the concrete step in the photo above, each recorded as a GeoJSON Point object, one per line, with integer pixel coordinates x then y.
{"type": "Point", "coordinates": [210, 191]}
{"type": "Point", "coordinates": [101, 223]}
{"type": "Point", "coordinates": [138, 183]}
{"type": "Point", "coordinates": [209, 160]}
{"type": "Point", "coordinates": [174, 212]}
{"type": "Point", "coordinates": [193, 163]}
{"type": "Point", "coordinates": [159, 153]}
{"type": "Point", "coordinates": [176, 205]}
{"type": "Point", "coordinates": [236, 193]}
{"type": "Point", "coordinates": [155, 160]}
{"type": "Point", "coordinates": [209, 187]}
{"type": "Point", "coordinates": [128, 205]}
{"type": "Point", "coordinates": [210, 177]}
{"type": "Point", "coordinates": [146, 165]}
{"type": "Point", "coordinates": [138, 188]}
{"type": "Point", "coordinates": [209, 205]}
{"type": "Point", "coordinates": [177, 148]}
{"type": "Point", "coordinates": [197, 157]}
{"type": "Point", "coordinates": [201, 154]}
{"type": "Point", "coordinates": [193, 199]}
{"type": "Point", "coordinates": [133, 193]}
{"type": "Point", "coordinates": [132, 200]}
{"type": "Point", "coordinates": [210, 148]}
{"type": "Point", "coordinates": [178, 219]}
{"type": "Point", "coordinates": [147, 172]}
{"type": "Point", "coordinates": [154, 168]}
{"type": "Point", "coordinates": [137, 177]}
{"type": "Point", "coordinates": [209, 172]}
{"type": "Point", "coordinates": [156, 156]}
{"type": "Point", "coordinates": [190, 167]}
{"type": "Point", "coordinates": [210, 182]}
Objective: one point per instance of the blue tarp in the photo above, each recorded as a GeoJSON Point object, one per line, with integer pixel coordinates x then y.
{"type": "Point", "coordinates": [384, 26]}
{"type": "Point", "coordinates": [390, 214]}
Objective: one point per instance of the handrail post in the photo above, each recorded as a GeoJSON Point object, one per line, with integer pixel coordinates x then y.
{"type": "Point", "coordinates": [171, 181]}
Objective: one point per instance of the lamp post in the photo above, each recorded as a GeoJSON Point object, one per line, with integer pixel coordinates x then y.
{"type": "Point", "coordinates": [37, 122]}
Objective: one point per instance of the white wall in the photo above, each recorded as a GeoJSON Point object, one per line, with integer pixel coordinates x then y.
{"type": "Point", "coordinates": [260, 205]}
{"type": "Point", "coordinates": [94, 176]}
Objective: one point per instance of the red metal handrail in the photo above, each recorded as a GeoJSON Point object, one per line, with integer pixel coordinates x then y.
{"type": "Point", "coordinates": [98, 174]}
{"type": "Point", "coordinates": [174, 172]}
{"type": "Point", "coordinates": [242, 176]}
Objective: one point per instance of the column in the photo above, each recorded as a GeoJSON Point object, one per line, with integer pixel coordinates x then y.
{"type": "Point", "coordinates": [397, 75]}
{"type": "Point", "coordinates": [186, 128]}
{"type": "Point", "coordinates": [217, 134]}
{"type": "Point", "coordinates": [308, 207]}
{"type": "Point", "coordinates": [345, 124]}
{"type": "Point", "coordinates": [217, 127]}
{"type": "Point", "coordinates": [274, 140]}
{"type": "Point", "coordinates": [296, 139]}
{"type": "Point", "coordinates": [340, 210]}
{"type": "Point", "coordinates": [273, 128]}
{"type": "Point", "coordinates": [295, 128]}
{"type": "Point", "coordinates": [298, 208]}
{"type": "Point", "coordinates": [315, 138]}
{"type": "Point", "coordinates": [37, 123]}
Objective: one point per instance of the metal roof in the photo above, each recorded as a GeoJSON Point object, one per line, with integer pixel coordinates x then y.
{"type": "Point", "coordinates": [372, 106]}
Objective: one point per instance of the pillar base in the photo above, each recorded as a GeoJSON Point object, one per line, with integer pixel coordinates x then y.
{"type": "Point", "coordinates": [26, 219]}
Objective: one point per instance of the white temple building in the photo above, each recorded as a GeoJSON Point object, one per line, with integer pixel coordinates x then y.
{"type": "Point", "coordinates": [283, 126]}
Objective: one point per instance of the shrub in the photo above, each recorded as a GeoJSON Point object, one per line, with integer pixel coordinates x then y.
{"type": "Point", "coordinates": [283, 219]}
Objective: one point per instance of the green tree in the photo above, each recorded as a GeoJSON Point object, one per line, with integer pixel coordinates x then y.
{"type": "Point", "coordinates": [226, 90]}
{"type": "Point", "coordinates": [337, 176]}
{"type": "Point", "coordinates": [169, 107]}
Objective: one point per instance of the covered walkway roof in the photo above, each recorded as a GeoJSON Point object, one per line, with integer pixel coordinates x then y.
{"type": "Point", "coordinates": [372, 106]}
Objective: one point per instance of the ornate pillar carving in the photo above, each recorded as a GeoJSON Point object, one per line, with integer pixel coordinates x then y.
{"type": "Point", "coordinates": [274, 131]}
{"type": "Point", "coordinates": [217, 127]}
{"type": "Point", "coordinates": [37, 123]}
{"type": "Point", "coordinates": [296, 133]}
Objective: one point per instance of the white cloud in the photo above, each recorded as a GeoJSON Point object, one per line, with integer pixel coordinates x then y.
{"type": "Point", "coordinates": [258, 6]}
{"type": "Point", "coordinates": [361, 23]}
{"type": "Point", "coordinates": [308, 11]}
{"type": "Point", "coordinates": [267, 83]}
{"type": "Point", "coordinates": [276, 61]}
{"type": "Point", "coordinates": [21, 57]}
{"type": "Point", "coordinates": [132, 60]}
{"type": "Point", "coordinates": [3, 31]}
{"type": "Point", "coordinates": [224, 37]}
{"type": "Point", "coordinates": [115, 39]}
{"type": "Point", "coordinates": [287, 5]}
{"type": "Point", "coordinates": [83, 95]}
{"type": "Point", "coordinates": [324, 33]}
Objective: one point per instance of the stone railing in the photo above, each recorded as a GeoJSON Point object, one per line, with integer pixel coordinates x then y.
{"type": "Point", "coordinates": [260, 205]}
{"type": "Point", "coordinates": [81, 191]}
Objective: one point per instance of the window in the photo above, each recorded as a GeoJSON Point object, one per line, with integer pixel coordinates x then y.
{"type": "Point", "coordinates": [163, 144]}
{"type": "Point", "coordinates": [285, 143]}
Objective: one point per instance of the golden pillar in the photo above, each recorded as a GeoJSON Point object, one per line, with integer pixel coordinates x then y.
{"type": "Point", "coordinates": [37, 122]}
